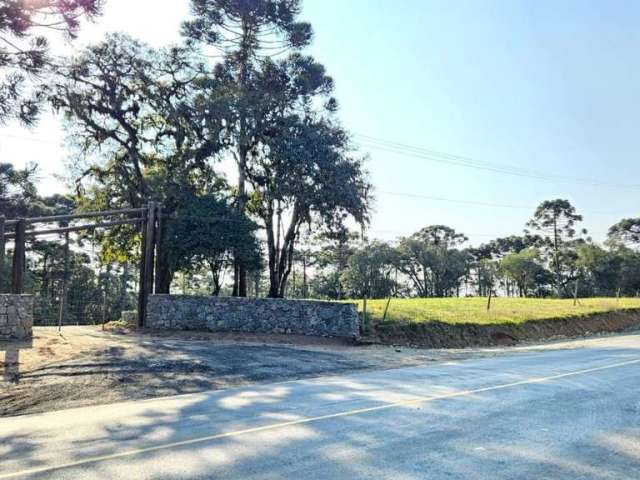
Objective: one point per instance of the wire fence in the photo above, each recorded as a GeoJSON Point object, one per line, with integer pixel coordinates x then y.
{"type": "Point", "coordinates": [56, 260]}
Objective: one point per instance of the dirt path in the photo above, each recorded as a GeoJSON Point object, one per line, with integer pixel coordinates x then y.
{"type": "Point", "coordinates": [86, 366]}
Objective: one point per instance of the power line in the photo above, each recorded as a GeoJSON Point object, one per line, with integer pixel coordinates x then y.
{"type": "Point", "coordinates": [437, 156]}
{"type": "Point", "coordinates": [482, 204]}
{"type": "Point", "coordinates": [468, 162]}
{"type": "Point", "coordinates": [434, 156]}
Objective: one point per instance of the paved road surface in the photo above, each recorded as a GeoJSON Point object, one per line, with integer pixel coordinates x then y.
{"type": "Point", "coordinates": [571, 413]}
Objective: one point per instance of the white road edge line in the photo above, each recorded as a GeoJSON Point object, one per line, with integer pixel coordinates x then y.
{"type": "Point", "coordinates": [274, 426]}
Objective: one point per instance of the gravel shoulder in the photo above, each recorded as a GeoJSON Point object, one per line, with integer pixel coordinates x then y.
{"type": "Point", "coordinates": [86, 366]}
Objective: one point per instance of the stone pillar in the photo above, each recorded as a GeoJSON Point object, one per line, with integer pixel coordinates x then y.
{"type": "Point", "coordinates": [16, 317]}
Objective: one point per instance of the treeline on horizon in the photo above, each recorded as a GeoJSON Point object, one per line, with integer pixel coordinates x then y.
{"type": "Point", "coordinates": [552, 258]}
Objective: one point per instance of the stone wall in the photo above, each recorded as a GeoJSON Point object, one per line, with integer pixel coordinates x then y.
{"type": "Point", "coordinates": [251, 315]}
{"type": "Point", "coordinates": [16, 317]}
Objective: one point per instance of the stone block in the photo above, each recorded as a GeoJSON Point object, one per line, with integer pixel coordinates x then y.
{"type": "Point", "coordinates": [250, 315]}
{"type": "Point", "coordinates": [16, 317]}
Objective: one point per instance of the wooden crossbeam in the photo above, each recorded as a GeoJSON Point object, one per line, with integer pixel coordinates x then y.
{"type": "Point", "coordinates": [76, 216]}
{"type": "Point", "coordinates": [77, 228]}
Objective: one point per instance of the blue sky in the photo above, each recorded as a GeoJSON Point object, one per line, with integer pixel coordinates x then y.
{"type": "Point", "coordinates": [543, 86]}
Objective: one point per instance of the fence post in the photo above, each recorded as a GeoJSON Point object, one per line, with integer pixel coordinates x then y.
{"type": "Point", "coordinates": [17, 284]}
{"type": "Point", "coordinates": [141, 300]}
{"type": "Point", "coordinates": [3, 271]}
{"type": "Point", "coordinates": [146, 275]}
{"type": "Point", "coordinates": [365, 325]}
{"type": "Point", "coordinates": [159, 249]}
{"type": "Point", "coordinates": [65, 287]}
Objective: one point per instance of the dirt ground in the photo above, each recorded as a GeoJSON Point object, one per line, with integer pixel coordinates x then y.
{"type": "Point", "coordinates": [86, 366]}
{"type": "Point", "coordinates": [461, 335]}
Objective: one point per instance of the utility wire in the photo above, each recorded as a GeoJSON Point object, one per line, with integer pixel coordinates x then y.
{"type": "Point", "coordinates": [437, 156]}
{"type": "Point", "coordinates": [461, 161]}
{"type": "Point", "coordinates": [482, 204]}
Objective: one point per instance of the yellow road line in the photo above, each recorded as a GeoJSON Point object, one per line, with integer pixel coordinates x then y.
{"type": "Point", "coordinates": [412, 401]}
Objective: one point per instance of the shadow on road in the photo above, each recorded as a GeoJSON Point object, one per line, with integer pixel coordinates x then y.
{"type": "Point", "coordinates": [572, 427]}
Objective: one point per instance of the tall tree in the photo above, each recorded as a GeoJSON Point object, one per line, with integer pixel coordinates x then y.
{"type": "Point", "coordinates": [556, 219]}
{"type": "Point", "coordinates": [432, 262]}
{"type": "Point", "coordinates": [141, 127]}
{"type": "Point", "coordinates": [205, 232]}
{"type": "Point", "coordinates": [626, 231]}
{"type": "Point", "coordinates": [371, 271]}
{"type": "Point", "coordinates": [502, 246]}
{"type": "Point", "coordinates": [524, 268]}
{"type": "Point", "coordinates": [306, 176]}
{"type": "Point", "coordinates": [24, 48]}
{"type": "Point", "coordinates": [247, 32]}
{"type": "Point", "coordinates": [302, 166]}
{"type": "Point", "coordinates": [334, 249]}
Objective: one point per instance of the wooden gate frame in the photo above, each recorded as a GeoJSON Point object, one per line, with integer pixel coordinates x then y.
{"type": "Point", "coordinates": [149, 217]}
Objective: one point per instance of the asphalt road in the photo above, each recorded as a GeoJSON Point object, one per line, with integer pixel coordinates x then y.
{"type": "Point", "coordinates": [569, 413]}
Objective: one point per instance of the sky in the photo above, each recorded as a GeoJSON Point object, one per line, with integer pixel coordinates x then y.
{"type": "Point", "coordinates": [546, 90]}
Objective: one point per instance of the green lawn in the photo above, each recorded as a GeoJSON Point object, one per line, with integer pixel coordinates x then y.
{"type": "Point", "coordinates": [473, 310]}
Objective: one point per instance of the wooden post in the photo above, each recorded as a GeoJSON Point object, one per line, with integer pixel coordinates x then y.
{"type": "Point", "coordinates": [386, 309]}
{"type": "Point", "coordinates": [146, 268]}
{"type": "Point", "coordinates": [19, 257]}
{"type": "Point", "coordinates": [105, 286]}
{"type": "Point", "coordinates": [490, 290]}
{"type": "Point", "coordinates": [159, 251]}
{"type": "Point", "coordinates": [364, 315]}
{"type": "Point", "coordinates": [304, 275]}
{"type": "Point", "coordinates": [150, 249]}
{"type": "Point", "coordinates": [3, 271]}
{"type": "Point", "coordinates": [123, 286]}
{"type": "Point", "coordinates": [141, 281]}
{"type": "Point", "coordinates": [65, 288]}
{"type": "Point", "coordinates": [575, 293]}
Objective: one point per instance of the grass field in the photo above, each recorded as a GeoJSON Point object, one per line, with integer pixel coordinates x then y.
{"type": "Point", "coordinates": [503, 310]}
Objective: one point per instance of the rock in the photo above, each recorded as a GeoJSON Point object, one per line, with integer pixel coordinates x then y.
{"type": "Point", "coordinates": [16, 317]}
{"type": "Point", "coordinates": [251, 315]}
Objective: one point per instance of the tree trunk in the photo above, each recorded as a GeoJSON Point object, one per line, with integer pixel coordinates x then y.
{"type": "Point", "coordinates": [165, 277]}
{"type": "Point", "coordinates": [215, 279]}
{"type": "Point", "coordinates": [281, 253]}
{"type": "Point", "coordinates": [556, 260]}
{"type": "Point", "coordinates": [240, 271]}
{"type": "Point", "coordinates": [271, 254]}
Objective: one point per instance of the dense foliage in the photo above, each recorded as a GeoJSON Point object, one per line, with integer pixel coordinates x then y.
{"type": "Point", "coordinates": [433, 263]}
{"type": "Point", "coordinates": [150, 124]}
{"type": "Point", "coordinates": [24, 49]}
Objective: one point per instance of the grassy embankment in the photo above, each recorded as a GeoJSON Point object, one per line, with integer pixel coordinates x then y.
{"type": "Point", "coordinates": [503, 310]}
